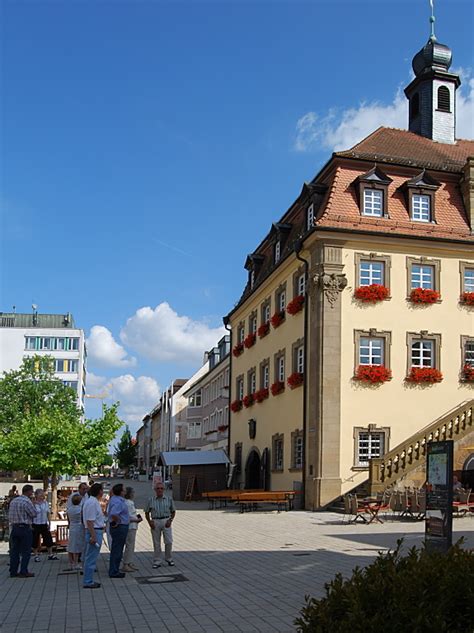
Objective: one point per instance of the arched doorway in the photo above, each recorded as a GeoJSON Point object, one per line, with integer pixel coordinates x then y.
{"type": "Point", "coordinates": [252, 470]}
{"type": "Point", "coordinates": [467, 476]}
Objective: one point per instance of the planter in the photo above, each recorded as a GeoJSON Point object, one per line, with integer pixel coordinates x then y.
{"type": "Point", "coordinates": [222, 427]}
{"type": "Point", "coordinates": [248, 400]}
{"type": "Point", "coordinates": [372, 293]}
{"type": "Point", "coordinates": [424, 295]}
{"type": "Point", "coordinates": [468, 372]}
{"type": "Point", "coordinates": [261, 395]}
{"type": "Point", "coordinates": [238, 349]}
{"type": "Point", "coordinates": [295, 380]}
{"type": "Point", "coordinates": [236, 406]}
{"type": "Point", "coordinates": [264, 329]}
{"type": "Point", "coordinates": [250, 340]}
{"type": "Point", "coordinates": [295, 305]}
{"type": "Point", "coordinates": [424, 374]}
{"type": "Point", "coordinates": [467, 298]}
{"type": "Point", "coordinates": [372, 373]}
{"type": "Point", "coordinates": [277, 387]}
{"type": "Point", "coordinates": [277, 319]}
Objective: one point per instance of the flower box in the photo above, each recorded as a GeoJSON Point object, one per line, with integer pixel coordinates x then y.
{"type": "Point", "coordinates": [424, 374]}
{"type": "Point", "coordinates": [295, 379]}
{"type": "Point", "coordinates": [238, 349]}
{"type": "Point", "coordinates": [424, 295]}
{"type": "Point", "coordinates": [250, 340]}
{"type": "Point", "coordinates": [278, 318]}
{"type": "Point", "coordinates": [261, 394]}
{"type": "Point", "coordinates": [248, 400]}
{"type": "Point", "coordinates": [222, 427]}
{"type": "Point", "coordinates": [209, 432]}
{"type": "Point", "coordinates": [468, 298]}
{"type": "Point", "coordinates": [372, 293]}
{"type": "Point", "coordinates": [295, 305]}
{"type": "Point", "coordinates": [264, 329]}
{"type": "Point", "coordinates": [236, 406]}
{"type": "Point", "coordinates": [372, 373]}
{"type": "Point", "coordinates": [277, 387]}
{"type": "Point", "coordinates": [468, 372]}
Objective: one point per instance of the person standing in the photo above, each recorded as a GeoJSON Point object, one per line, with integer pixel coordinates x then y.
{"type": "Point", "coordinates": [21, 513]}
{"type": "Point", "coordinates": [119, 521]}
{"type": "Point", "coordinates": [93, 519]}
{"type": "Point", "coordinates": [135, 519]}
{"type": "Point", "coordinates": [76, 533]}
{"type": "Point", "coordinates": [81, 491]}
{"type": "Point", "coordinates": [160, 512]}
{"type": "Point", "coordinates": [41, 526]}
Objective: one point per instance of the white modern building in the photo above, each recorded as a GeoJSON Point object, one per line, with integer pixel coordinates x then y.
{"type": "Point", "coordinates": [23, 335]}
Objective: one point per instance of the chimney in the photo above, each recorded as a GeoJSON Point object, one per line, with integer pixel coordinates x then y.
{"type": "Point", "coordinates": [467, 190]}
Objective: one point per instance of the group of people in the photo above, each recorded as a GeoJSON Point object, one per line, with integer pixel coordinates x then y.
{"type": "Point", "coordinates": [89, 519]}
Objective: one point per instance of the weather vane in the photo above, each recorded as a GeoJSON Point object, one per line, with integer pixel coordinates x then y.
{"type": "Point", "coordinates": [432, 20]}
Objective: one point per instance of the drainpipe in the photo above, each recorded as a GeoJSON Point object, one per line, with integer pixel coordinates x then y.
{"type": "Point", "coordinates": [298, 247]}
{"type": "Point", "coordinates": [229, 329]}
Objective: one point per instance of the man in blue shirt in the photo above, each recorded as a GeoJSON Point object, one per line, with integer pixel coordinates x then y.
{"type": "Point", "coordinates": [119, 521]}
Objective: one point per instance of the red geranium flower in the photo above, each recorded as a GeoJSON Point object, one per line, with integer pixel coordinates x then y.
{"type": "Point", "coordinates": [250, 340]}
{"type": "Point", "coordinates": [424, 374]}
{"type": "Point", "coordinates": [295, 305]}
{"type": "Point", "coordinates": [264, 329]}
{"type": "Point", "coordinates": [372, 293]}
{"type": "Point", "coordinates": [248, 400]}
{"type": "Point", "coordinates": [222, 427]}
{"type": "Point", "coordinates": [278, 318]}
{"type": "Point", "coordinates": [424, 295]}
{"type": "Point", "coordinates": [372, 373]}
{"type": "Point", "coordinates": [295, 379]}
{"type": "Point", "coordinates": [468, 298]}
{"type": "Point", "coordinates": [261, 394]}
{"type": "Point", "coordinates": [236, 405]}
{"type": "Point", "coordinates": [468, 371]}
{"type": "Point", "coordinates": [238, 349]}
{"type": "Point", "coordinates": [277, 387]}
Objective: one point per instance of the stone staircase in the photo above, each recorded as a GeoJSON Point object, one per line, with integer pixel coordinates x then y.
{"type": "Point", "coordinates": [410, 455]}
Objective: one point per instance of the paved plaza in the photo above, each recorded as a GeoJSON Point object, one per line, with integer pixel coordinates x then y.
{"type": "Point", "coordinates": [244, 572]}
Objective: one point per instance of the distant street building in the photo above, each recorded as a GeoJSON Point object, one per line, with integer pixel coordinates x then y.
{"type": "Point", "coordinates": [24, 335]}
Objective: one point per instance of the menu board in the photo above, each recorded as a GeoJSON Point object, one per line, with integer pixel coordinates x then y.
{"type": "Point", "coordinates": [439, 495]}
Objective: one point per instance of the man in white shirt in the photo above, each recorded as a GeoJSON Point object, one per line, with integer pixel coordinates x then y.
{"type": "Point", "coordinates": [93, 519]}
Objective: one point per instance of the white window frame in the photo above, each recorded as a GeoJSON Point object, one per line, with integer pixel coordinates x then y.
{"type": "Point", "coordinates": [374, 446]}
{"type": "Point", "coordinates": [424, 277]}
{"type": "Point", "coordinates": [300, 359]}
{"type": "Point", "coordinates": [298, 451]}
{"type": "Point", "coordinates": [423, 353]}
{"type": "Point", "coordinates": [277, 251]}
{"type": "Point", "coordinates": [310, 217]}
{"type": "Point", "coordinates": [372, 348]}
{"type": "Point", "coordinates": [469, 280]}
{"type": "Point", "coordinates": [421, 207]}
{"type": "Point", "coordinates": [281, 300]}
{"type": "Point", "coordinates": [301, 284]}
{"type": "Point", "coordinates": [371, 272]}
{"type": "Point", "coordinates": [281, 369]}
{"type": "Point", "coordinates": [266, 376]}
{"type": "Point", "coordinates": [373, 202]}
{"type": "Point", "coordinates": [266, 313]}
{"type": "Point", "coordinates": [468, 352]}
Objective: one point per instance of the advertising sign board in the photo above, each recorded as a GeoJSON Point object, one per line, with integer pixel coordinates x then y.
{"type": "Point", "coordinates": [439, 495]}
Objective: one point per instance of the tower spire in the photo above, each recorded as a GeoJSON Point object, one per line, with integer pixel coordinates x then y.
{"type": "Point", "coordinates": [432, 21]}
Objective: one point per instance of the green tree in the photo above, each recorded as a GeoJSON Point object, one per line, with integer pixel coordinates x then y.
{"type": "Point", "coordinates": [50, 436]}
{"type": "Point", "coordinates": [125, 451]}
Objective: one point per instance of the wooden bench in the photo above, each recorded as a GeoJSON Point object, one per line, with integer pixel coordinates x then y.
{"type": "Point", "coordinates": [281, 498]}
{"type": "Point", "coordinates": [220, 498]}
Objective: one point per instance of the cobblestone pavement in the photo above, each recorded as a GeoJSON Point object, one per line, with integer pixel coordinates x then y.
{"type": "Point", "coordinates": [244, 572]}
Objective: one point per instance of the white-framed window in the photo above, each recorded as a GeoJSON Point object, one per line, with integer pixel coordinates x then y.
{"type": "Point", "coordinates": [252, 382]}
{"type": "Point", "coordinates": [74, 343]}
{"type": "Point", "coordinates": [469, 280]}
{"type": "Point", "coordinates": [310, 217]}
{"type": "Point", "coordinates": [277, 452]}
{"type": "Point", "coordinates": [266, 313]}
{"type": "Point", "coordinates": [277, 251]}
{"type": "Point", "coordinates": [298, 451]}
{"type": "Point", "coordinates": [422, 276]}
{"type": "Point", "coordinates": [281, 300]}
{"type": "Point", "coordinates": [194, 430]}
{"type": "Point", "coordinates": [370, 445]}
{"type": "Point", "coordinates": [253, 325]}
{"type": "Point", "coordinates": [373, 203]}
{"type": "Point", "coordinates": [281, 369]}
{"type": "Point", "coordinates": [195, 399]}
{"type": "Point", "coordinates": [371, 272]}
{"type": "Point", "coordinates": [421, 207]}
{"type": "Point", "coordinates": [422, 353]}
{"type": "Point", "coordinates": [240, 334]}
{"type": "Point", "coordinates": [469, 352]}
{"type": "Point", "coordinates": [300, 359]}
{"type": "Point", "coordinates": [301, 284]}
{"type": "Point", "coordinates": [46, 342]}
{"type": "Point", "coordinates": [30, 342]}
{"type": "Point", "coordinates": [240, 388]}
{"type": "Point", "coordinates": [371, 351]}
{"type": "Point", "coordinates": [265, 376]}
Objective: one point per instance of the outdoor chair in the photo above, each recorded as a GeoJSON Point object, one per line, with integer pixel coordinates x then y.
{"type": "Point", "coordinates": [358, 511]}
{"type": "Point", "coordinates": [347, 507]}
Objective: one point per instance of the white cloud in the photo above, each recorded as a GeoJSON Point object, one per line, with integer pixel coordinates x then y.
{"type": "Point", "coordinates": [161, 334]}
{"type": "Point", "coordinates": [104, 351]}
{"type": "Point", "coordinates": [137, 396]}
{"type": "Point", "coordinates": [339, 130]}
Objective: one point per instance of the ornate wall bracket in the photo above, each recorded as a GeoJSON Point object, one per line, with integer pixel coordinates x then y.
{"type": "Point", "coordinates": [332, 284]}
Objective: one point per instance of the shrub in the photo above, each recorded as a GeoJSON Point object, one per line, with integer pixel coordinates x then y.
{"type": "Point", "coordinates": [424, 295]}
{"type": "Point", "coordinates": [424, 591]}
{"type": "Point", "coordinates": [372, 293]}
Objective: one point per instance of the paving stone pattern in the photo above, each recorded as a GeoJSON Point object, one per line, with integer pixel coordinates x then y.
{"type": "Point", "coordinates": [245, 572]}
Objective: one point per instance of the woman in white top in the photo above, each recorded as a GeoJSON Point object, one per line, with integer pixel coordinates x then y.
{"type": "Point", "coordinates": [135, 519]}
{"type": "Point", "coordinates": [76, 532]}
{"type": "Point", "coordinates": [41, 526]}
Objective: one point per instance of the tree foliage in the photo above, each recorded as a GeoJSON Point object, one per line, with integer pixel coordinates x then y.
{"type": "Point", "coordinates": [125, 451]}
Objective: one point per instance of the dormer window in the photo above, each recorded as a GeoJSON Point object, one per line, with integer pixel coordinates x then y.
{"type": "Point", "coordinates": [310, 217]}
{"type": "Point", "coordinates": [373, 202]}
{"type": "Point", "coordinates": [372, 191]}
{"type": "Point", "coordinates": [277, 252]}
{"type": "Point", "coordinates": [420, 194]}
{"type": "Point", "coordinates": [444, 99]}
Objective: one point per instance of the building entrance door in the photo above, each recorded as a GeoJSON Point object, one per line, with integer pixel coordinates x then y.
{"type": "Point", "coordinates": [252, 471]}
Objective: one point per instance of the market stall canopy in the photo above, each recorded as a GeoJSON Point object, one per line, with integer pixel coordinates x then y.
{"type": "Point", "coordinates": [193, 458]}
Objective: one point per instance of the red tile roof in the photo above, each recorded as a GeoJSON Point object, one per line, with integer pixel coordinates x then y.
{"type": "Point", "coordinates": [389, 145]}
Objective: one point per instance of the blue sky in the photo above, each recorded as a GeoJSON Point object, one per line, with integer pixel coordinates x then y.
{"type": "Point", "coordinates": [148, 146]}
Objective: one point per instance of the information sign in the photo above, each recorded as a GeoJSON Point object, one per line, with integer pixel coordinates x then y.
{"type": "Point", "coordinates": [439, 495]}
